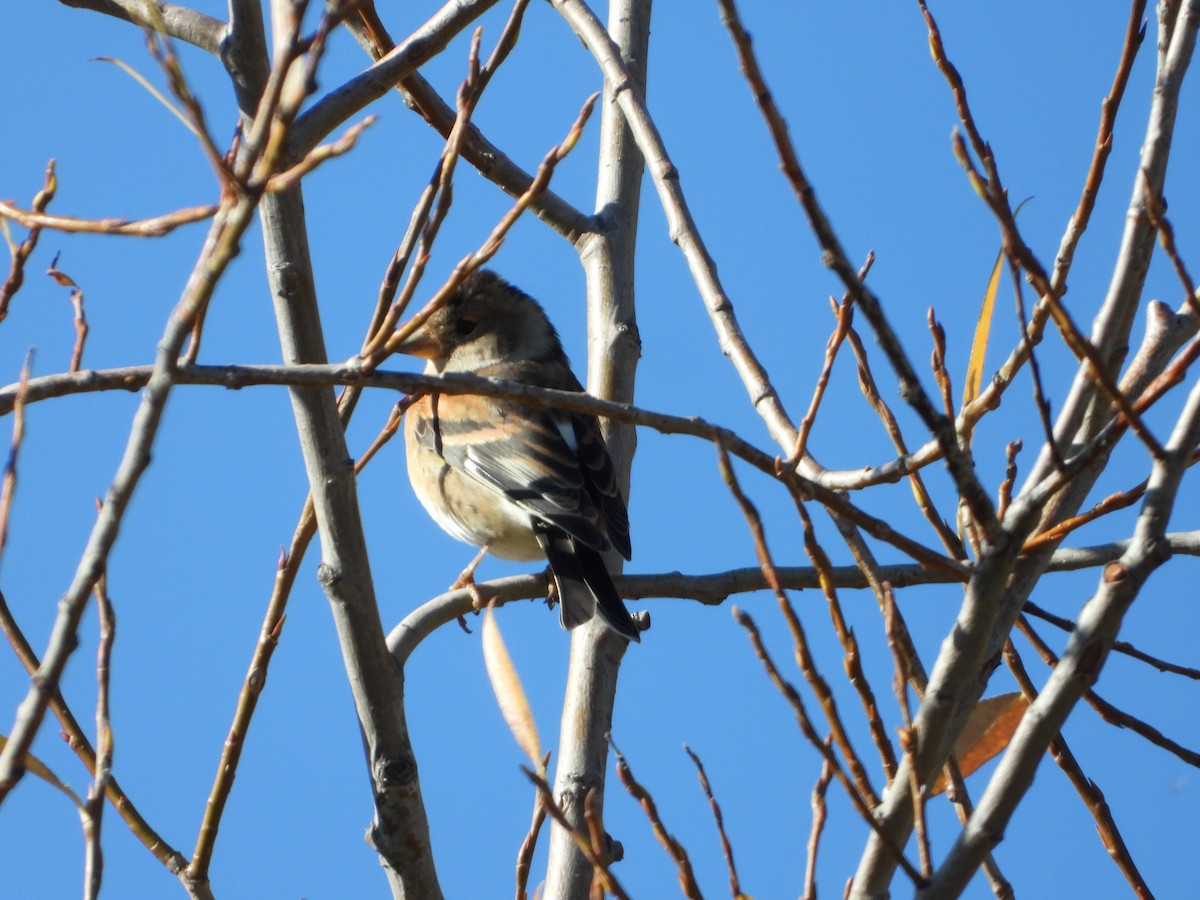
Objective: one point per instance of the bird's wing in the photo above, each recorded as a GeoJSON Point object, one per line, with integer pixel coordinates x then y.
{"type": "Point", "coordinates": [600, 480]}
{"type": "Point", "coordinates": [533, 457]}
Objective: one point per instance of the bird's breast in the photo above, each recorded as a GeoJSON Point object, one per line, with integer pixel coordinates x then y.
{"type": "Point", "coordinates": [466, 508]}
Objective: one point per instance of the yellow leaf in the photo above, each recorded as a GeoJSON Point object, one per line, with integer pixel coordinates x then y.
{"type": "Point", "coordinates": [509, 693]}
{"type": "Point", "coordinates": [35, 766]}
{"type": "Point", "coordinates": [983, 327]}
{"type": "Point", "coordinates": [989, 728]}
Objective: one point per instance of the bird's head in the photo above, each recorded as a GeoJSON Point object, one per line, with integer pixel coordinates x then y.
{"type": "Point", "coordinates": [486, 321]}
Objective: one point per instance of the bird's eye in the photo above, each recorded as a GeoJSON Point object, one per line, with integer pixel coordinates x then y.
{"type": "Point", "coordinates": [464, 327]}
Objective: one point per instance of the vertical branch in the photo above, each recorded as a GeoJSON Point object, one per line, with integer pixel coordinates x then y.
{"type": "Point", "coordinates": [681, 225]}
{"type": "Point", "coordinates": [104, 746]}
{"type": "Point", "coordinates": [607, 256]}
{"type": "Point", "coordinates": [820, 812]}
{"type": "Point", "coordinates": [399, 831]}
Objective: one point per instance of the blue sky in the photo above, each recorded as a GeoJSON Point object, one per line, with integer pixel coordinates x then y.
{"type": "Point", "coordinates": [191, 573]}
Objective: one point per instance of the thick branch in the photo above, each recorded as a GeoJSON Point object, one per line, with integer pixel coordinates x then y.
{"type": "Point", "coordinates": [607, 255]}
{"type": "Point", "coordinates": [486, 157]}
{"type": "Point", "coordinates": [340, 104]}
{"type": "Point", "coordinates": [680, 223]}
{"type": "Point", "coordinates": [962, 667]}
{"type": "Point", "coordinates": [180, 22]}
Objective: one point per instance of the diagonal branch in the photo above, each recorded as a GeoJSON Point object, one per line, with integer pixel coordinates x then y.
{"type": "Point", "coordinates": [486, 157]}
{"type": "Point", "coordinates": [681, 225]}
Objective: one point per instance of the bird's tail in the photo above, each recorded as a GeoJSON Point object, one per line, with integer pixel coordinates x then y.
{"type": "Point", "coordinates": [584, 584]}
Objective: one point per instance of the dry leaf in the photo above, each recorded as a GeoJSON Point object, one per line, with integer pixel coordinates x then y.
{"type": "Point", "coordinates": [35, 766]}
{"type": "Point", "coordinates": [983, 328]}
{"type": "Point", "coordinates": [509, 693]}
{"type": "Point", "coordinates": [989, 728]}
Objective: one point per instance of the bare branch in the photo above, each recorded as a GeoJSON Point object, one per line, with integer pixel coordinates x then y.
{"type": "Point", "coordinates": [681, 226]}
{"type": "Point", "coordinates": [180, 22]}
{"type": "Point", "coordinates": [156, 226]}
{"type": "Point", "coordinates": [735, 887]}
{"type": "Point", "coordinates": [1081, 662]}
{"type": "Point", "coordinates": [486, 157]}
{"type": "Point", "coordinates": [350, 98]}
{"type": "Point", "coordinates": [21, 252]}
{"type": "Point", "coordinates": [687, 878]}
{"type": "Point", "coordinates": [941, 426]}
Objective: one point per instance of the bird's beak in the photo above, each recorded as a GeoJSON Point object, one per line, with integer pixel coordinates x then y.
{"type": "Point", "coordinates": [420, 344]}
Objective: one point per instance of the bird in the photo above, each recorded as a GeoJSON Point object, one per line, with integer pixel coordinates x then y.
{"type": "Point", "coordinates": [517, 481]}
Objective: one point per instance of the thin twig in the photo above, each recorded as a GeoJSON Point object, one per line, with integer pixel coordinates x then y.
{"type": "Point", "coordinates": [845, 315]}
{"type": "Point", "coordinates": [870, 391]}
{"type": "Point", "coordinates": [156, 226]}
{"type": "Point", "coordinates": [252, 685]}
{"type": "Point", "coordinates": [1035, 371]}
{"type": "Point", "coordinates": [852, 657]}
{"type": "Point", "coordinates": [735, 888]}
{"type": "Point", "coordinates": [687, 879]}
{"type": "Point", "coordinates": [529, 844]}
{"type": "Point", "coordinates": [343, 145]}
{"type": "Point", "coordinates": [21, 252]}
{"type": "Point", "coordinates": [1135, 32]}
{"type": "Point", "coordinates": [937, 363]}
{"type": "Point", "coordinates": [820, 812]}
{"type": "Point", "coordinates": [104, 741]}
{"type": "Point", "coordinates": [160, 47]}
{"type": "Point", "coordinates": [824, 748]}
{"type": "Point", "coordinates": [80, 320]}
{"type": "Point", "coordinates": [1156, 212]}
{"type": "Point", "coordinates": [900, 644]}
{"type": "Point", "coordinates": [1088, 790]}
{"type": "Point", "coordinates": [1118, 646]}
{"type": "Point", "coordinates": [8, 482]}
{"type": "Point", "coordinates": [1011, 450]}
{"type": "Point", "coordinates": [804, 657]}
{"type": "Point", "coordinates": [592, 853]}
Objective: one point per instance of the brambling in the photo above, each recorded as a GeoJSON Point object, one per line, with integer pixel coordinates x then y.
{"type": "Point", "coordinates": [517, 481]}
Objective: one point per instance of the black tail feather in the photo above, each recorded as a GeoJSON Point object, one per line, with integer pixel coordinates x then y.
{"type": "Point", "coordinates": [584, 584]}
